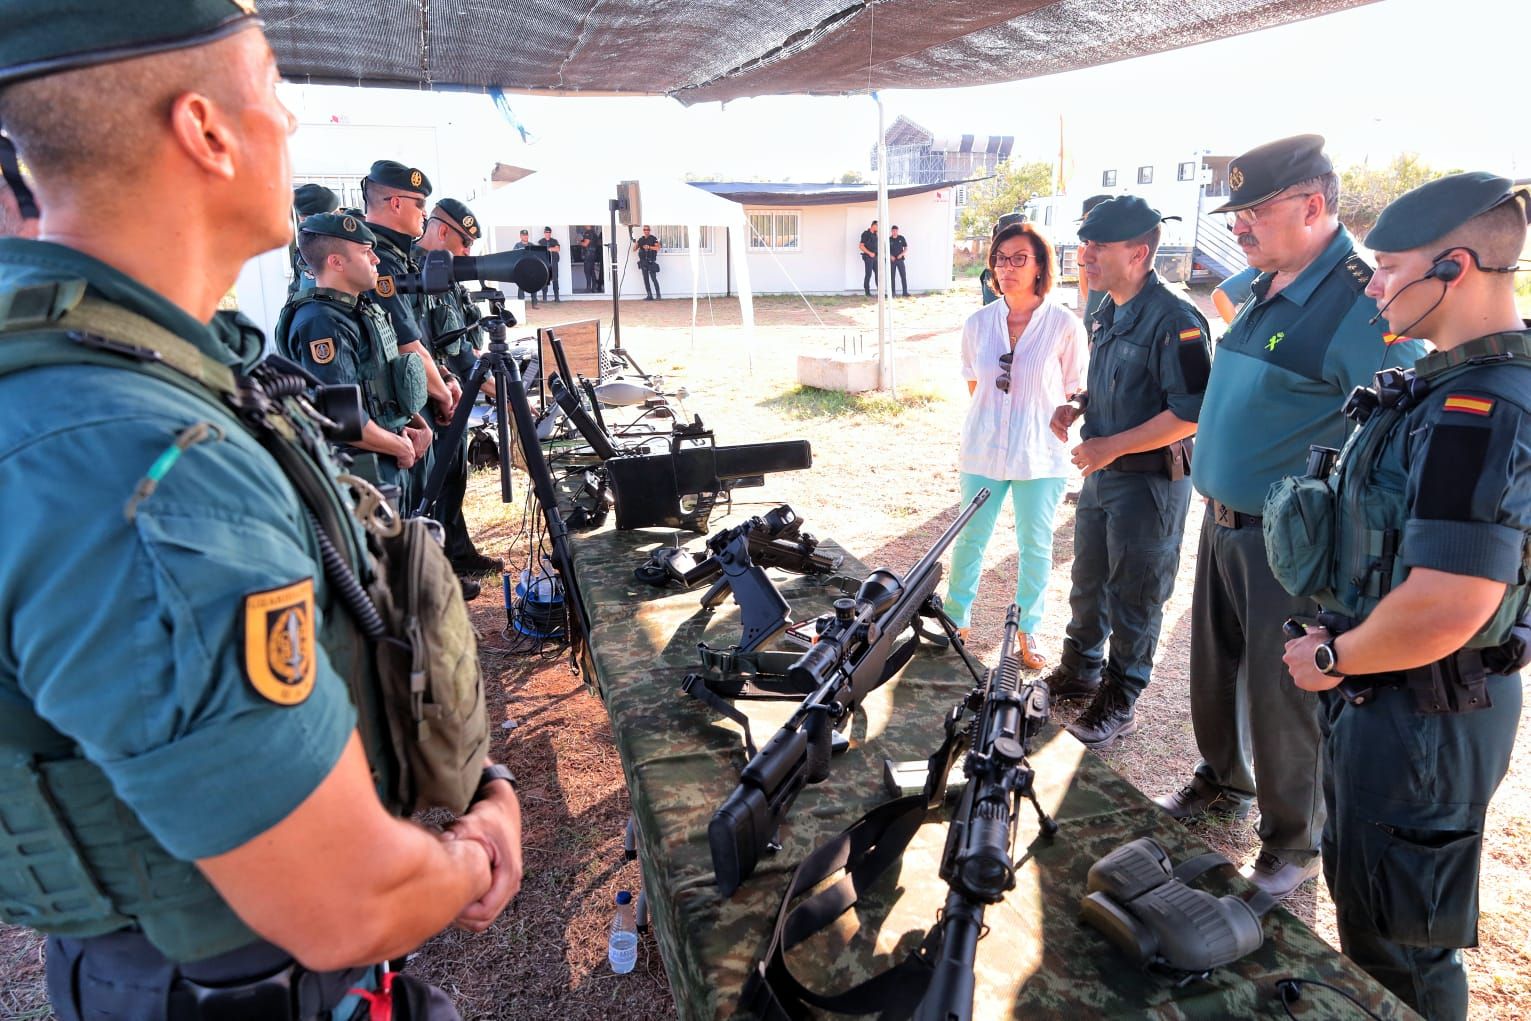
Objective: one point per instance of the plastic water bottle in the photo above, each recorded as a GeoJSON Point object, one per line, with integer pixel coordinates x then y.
{"type": "Point", "coordinates": [622, 950]}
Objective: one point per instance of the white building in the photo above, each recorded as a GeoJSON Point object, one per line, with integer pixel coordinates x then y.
{"type": "Point", "coordinates": [1177, 183]}
{"type": "Point", "coordinates": [803, 237]}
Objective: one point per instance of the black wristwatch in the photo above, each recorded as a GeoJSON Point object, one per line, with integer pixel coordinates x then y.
{"type": "Point", "coordinates": [1326, 660]}
{"type": "Point", "coordinates": [488, 776]}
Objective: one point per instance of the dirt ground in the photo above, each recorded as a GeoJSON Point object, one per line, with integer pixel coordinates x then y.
{"type": "Point", "coordinates": [883, 468]}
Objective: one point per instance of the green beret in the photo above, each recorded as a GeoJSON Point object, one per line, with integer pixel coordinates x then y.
{"type": "Point", "coordinates": [1433, 210]}
{"type": "Point", "coordinates": [1262, 172]}
{"type": "Point", "coordinates": [44, 37]}
{"type": "Point", "coordinates": [393, 174]}
{"type": "Point", "coordinates": [309, 199]}
{"type": "Point", "coordinates": [457, 215]}
{"type": "Point", "coordinates": [1120, 219]}
{"type": "Point", "coordinates": [339, 225]}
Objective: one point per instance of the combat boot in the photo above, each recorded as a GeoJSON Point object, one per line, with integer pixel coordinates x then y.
{"type": "Point", "coordinates": [1105, 719]}
{"type": "Point", "coordinates": [1203, 797]}
{"type": "Point", "coordinates": [1066, 686]}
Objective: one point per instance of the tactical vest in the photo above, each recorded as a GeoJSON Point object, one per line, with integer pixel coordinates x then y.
{"type": "Point", "coordinates": [75, 861]}
{"type": "Point", "coordinates": [393, 385]}
{"type": "Point", "coordinates": [1370, 515]}
{"type": "Point", "coordinates": [444, 319]}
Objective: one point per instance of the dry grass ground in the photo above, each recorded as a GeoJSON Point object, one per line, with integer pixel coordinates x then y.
{"type": "Point", "coordinates": [883, 469]}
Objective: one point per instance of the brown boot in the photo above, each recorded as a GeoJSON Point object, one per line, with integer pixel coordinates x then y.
{"type": "Point", "coordinates": [1026, 652]}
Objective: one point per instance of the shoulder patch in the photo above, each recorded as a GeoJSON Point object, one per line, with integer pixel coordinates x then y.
{"type": "Point", "coordinates": [1469, 404]}
{"type": "Point", "coordinates": [279, 654]}
{"type": "Point", "coordinates": [322, 350]}
{"type": "Point", "coordinates": [385, 287]}
{"type": "Point", "coordinates": [1357, 272]}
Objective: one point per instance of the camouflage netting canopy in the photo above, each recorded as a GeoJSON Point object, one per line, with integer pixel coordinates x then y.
{"type": "Point", "coordinates": [708, 50]}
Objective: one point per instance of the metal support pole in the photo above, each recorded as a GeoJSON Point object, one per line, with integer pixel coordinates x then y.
{"type": "Point", "coordinates": [612, 279]}
{"type": "Point", "coordinates": [885, 379]}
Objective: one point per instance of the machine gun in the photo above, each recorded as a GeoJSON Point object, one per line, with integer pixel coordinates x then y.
{"type": "Point", "coordinates": [678, 488]}
{"type": "Point", "coordinates": [854, 655]}
{"type": "Point", "coordinates": [978, 863]}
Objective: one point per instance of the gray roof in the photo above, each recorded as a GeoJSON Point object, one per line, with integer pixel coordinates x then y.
{"type": "Point", "coordinates": [756, 193]}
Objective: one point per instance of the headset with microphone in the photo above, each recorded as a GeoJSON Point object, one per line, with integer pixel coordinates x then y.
{"type": "Point", "coordinates": [1443, 269]}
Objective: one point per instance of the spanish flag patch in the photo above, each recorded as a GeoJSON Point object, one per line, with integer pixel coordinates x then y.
{"type": "Point", "coordinates": [1192, 334]}
{"type": "Point", "coordinates": [1471, 405]}
{"type": "Point", "coordinates": [1393, 338]}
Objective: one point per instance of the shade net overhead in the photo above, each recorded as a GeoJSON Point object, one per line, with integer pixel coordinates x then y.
{"type": "Point", "coordinates": [708, 50]}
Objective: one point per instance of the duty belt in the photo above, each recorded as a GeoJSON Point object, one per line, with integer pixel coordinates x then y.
{"type": "Point", "coordinates": [1226, 517]}
{"type": "Point", "coordinates": [133, 970]}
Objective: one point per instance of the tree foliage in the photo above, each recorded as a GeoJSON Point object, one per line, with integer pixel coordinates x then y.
{"type": "Point", "coordinates": [1365, 190]}
{"type": "Point", "coordinates": [1013, 183]}
{"type": "Point", "coordinates": [852, 177]}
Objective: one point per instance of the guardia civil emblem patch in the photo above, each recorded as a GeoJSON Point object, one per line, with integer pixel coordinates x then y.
{"type": "Point", "coordinates": [468, 221]}
{"type": "Point", "coordinates": [322, 350]}
{"type": "Point", "coordinates": [349, 225]}
{"type": "Point", "coordinates": [415, 177]}
{"type": "Point", "coordinates": [279, 657]}
{"type": "Point", "coordinates": [1236, 177]}
{"type": "Point", "coordinates": [385, 287]}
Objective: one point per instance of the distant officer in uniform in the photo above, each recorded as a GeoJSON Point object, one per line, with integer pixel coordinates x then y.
{"type": "Point", "coordinates": [898, 245]}
{"type": "Point", "coordinates": [454, 333]}
{"type": "Point", "coordinates": [1432, 505]}
{"type": "Point", "coordinates": [307, 199]}
{"type": "Point", "coordinates": [191, 806]}
{"type": "Point", "coordinates": [1149, 363]}
{"type": "Point", "coordinates": [523, 241]}
{"type": "Point", "coordinates": [335, 331]}
{"type": "Point", "coordinates": [555, 250]}
{"type": "Point", "coordinates": [1230, 295]}
{"type": "Point", "coordinates": [1281, 375]}
{"type": "Point", "coordinates": [394, 196]}
{"type": "Point", "coordinates": [647, 247]}
{"type": "Point", "coordinates": [590, 259]}
{"type": "Point", "coordinates": [867, 246]}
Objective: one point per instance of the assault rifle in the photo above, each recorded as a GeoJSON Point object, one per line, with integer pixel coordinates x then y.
{"type": "Point", "coordinates": [978, 863]}
{"type": "Point", "coordinates": [853, 656]}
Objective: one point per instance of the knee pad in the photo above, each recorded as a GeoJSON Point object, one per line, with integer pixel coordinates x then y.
{"type": "Point", "coordinates": [1140, 902]}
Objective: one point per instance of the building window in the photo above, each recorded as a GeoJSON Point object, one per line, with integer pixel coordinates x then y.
{"type": "Point", "coordinates": [960, 195]}
{"type": "Point", "coordinates": [1108, 179]}
{"type": "Point", "coordinates": [673, 239]}
{"type": "Point", "coordinates": [1047, 217]}
{"type": "Point", "coordinates": [773, 231]}
{"type": "Point", "coordinates": [1145, 175]}
{"type": "Point", "coordinates": [1187, 172]}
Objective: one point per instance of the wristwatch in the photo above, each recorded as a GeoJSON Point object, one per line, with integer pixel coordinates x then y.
{"type": "Point", "coordinates": [488, 776]}
{"type": "Point", "coordinates": [1326, 660]}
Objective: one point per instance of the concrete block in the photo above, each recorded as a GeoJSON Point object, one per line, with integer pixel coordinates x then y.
{"type": "Point", "coordinates": [852, 373]}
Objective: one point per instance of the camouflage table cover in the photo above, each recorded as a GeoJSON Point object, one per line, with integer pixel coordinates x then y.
{"type": "Point", "coordinates": [681, 760]}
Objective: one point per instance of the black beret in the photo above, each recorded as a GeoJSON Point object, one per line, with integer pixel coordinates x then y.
{"type": "Point", "coordinates": [1433, 210]}
{"type": "Point", "coordinates": [309, 199]}
{"type": "Point", "coordinates": [45, 36]}
{"type": "Point", "coordinates": [394, 174]}
{"type": "Point", "coordinates": [1263, 171]}
{"type": "Point", "coordinates": [1008, 220]}
{"type": "Point", "coordinates": [1120, 219]}
{"type": "Point", "coordinates": [1090, 203]}
{"type": "Point", "coordinates": [338, 225]}
{"type": "Point", "coordinates": [459, 216]}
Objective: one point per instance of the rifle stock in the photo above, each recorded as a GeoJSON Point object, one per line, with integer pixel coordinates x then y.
{"type": "Point", "coordinates": [853, 656]}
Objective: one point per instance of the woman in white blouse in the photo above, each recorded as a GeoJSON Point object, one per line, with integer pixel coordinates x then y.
{"type": "Point", "coordinates": [1006, 442]}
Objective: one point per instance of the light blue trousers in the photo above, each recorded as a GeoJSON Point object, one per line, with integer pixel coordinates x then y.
{"type": "Point", "coordinates": [1035, 502]}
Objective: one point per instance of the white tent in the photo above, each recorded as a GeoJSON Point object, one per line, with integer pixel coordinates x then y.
{"type": "Point", "coordinates": [580, 196]}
